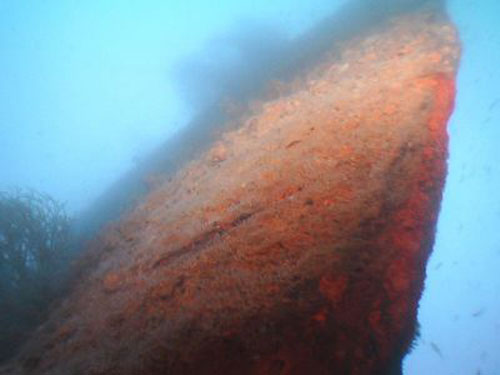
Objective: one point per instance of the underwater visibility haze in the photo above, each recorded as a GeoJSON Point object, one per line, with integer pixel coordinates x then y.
{"type": "Point", "coordinates": [92, 92]}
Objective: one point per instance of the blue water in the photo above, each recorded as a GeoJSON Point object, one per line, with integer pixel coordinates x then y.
{"type": "Point", "coordinates": [88, 88]}
{"type": "Point", "coordinates": [460, 308]}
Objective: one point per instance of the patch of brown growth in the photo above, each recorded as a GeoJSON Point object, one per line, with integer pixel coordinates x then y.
{"type": "Point", "coordinates": [296, 245]}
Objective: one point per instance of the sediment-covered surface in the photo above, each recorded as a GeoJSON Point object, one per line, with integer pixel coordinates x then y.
{"type": "Point", "coordinates": [296, 245]}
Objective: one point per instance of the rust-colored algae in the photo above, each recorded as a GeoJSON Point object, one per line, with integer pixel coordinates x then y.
{"type": "Point", "coordinates": [296, 245]}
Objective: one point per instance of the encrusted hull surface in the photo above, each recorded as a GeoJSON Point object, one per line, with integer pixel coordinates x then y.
{"type": "Point", "coordinates": [297, 244]}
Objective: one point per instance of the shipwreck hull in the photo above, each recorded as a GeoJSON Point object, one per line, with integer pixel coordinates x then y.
{"type": "Point", "coordinates": [297, 244]}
